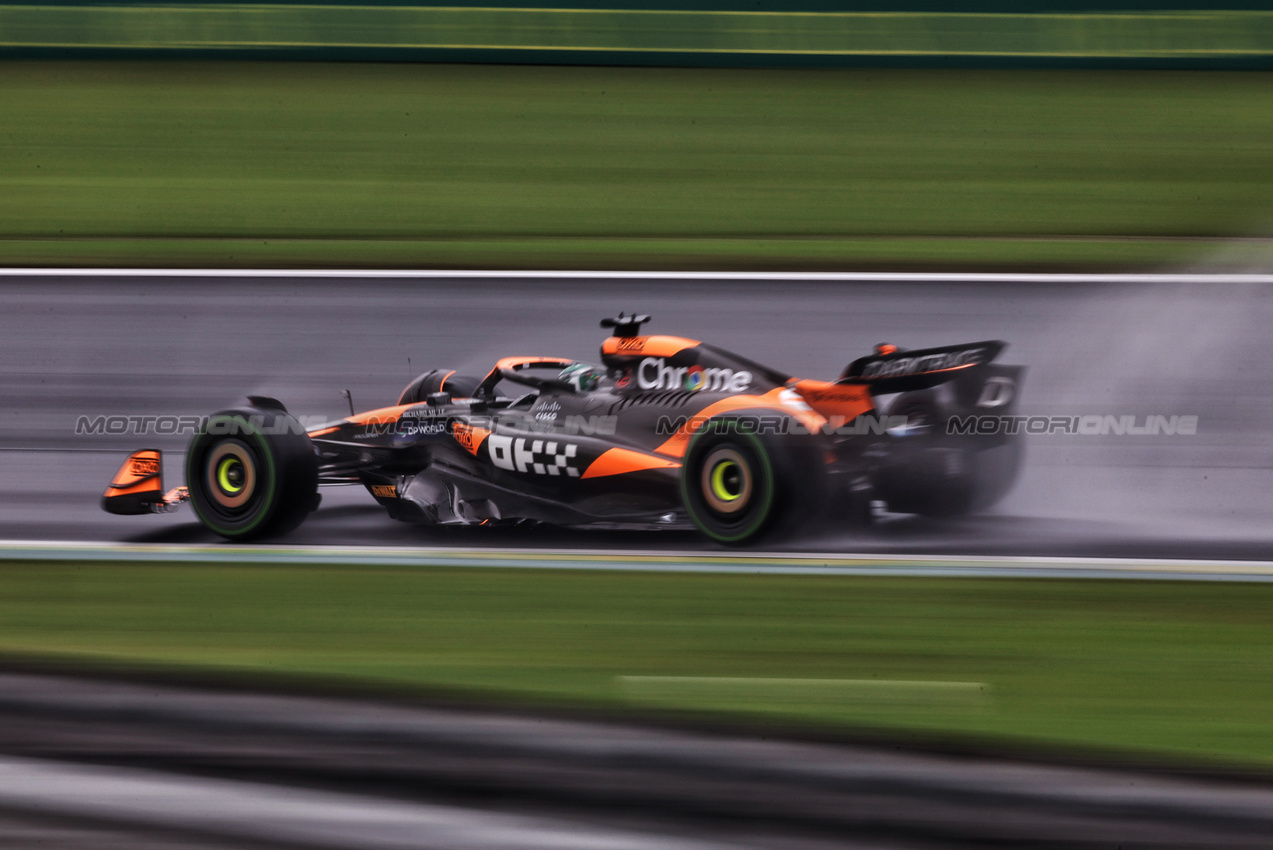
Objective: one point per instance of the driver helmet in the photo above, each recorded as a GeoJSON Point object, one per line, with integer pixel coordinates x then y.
{"type": "Point", "coordinates": [582, 376]}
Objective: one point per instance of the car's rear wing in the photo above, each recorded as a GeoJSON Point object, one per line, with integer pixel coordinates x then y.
{"type": "Point", "coordinates": [903, 371]}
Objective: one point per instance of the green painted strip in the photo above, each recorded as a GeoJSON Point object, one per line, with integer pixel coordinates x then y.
{"type": "Point", "coordinates": [753, 693]}
{"type": "Point", "coordinates": [208, 27]}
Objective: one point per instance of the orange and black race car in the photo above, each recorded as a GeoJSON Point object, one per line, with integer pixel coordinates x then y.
{"type": "Point", "coordinates": [663, 433]}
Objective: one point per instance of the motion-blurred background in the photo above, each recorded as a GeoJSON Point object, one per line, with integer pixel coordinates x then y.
{"type": "Point", "coordinates": [147, 694]}
{"type": "Point", "coordinates": [711, 134]}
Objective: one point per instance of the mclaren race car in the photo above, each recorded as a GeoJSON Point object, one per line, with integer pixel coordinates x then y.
{"type": "Point", "coordinates": [663, 433]}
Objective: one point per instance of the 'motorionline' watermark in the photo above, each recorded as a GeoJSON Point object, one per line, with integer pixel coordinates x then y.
{"type": "Point", "coordinates": [971, 425]}
{"type": "Point", "coordinates": [165, 425]}
{"type": "Point", "coordinates": [1085, 425]}
{"type": "Point", "coordinates": [777, 423]}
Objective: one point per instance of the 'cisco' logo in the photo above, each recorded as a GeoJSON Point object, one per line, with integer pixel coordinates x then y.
{"type": "Point", "coordinates": [655, 374]}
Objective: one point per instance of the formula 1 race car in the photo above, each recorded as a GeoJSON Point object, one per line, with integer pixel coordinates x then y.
{"type": "Point", "coordinates": [664, 433]}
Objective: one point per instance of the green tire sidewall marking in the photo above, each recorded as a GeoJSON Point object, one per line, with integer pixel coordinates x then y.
{"type": "Point", "coordinates": [246, 431]}
{"type": "Point", "coordinates": [759, 449]}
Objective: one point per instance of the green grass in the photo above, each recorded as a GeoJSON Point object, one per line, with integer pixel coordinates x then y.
{"type": "Point", "coordinates": [231, 164]}
{"type": "Point", "coordinates": [692, 36]}
{"type": "Point", "coordinates": [1158, 668]}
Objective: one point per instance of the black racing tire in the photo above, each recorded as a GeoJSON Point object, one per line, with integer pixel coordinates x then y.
{"type": "Point", "coordinates": [738, 485]}
{"type": "Point", "coordinates": [436, 381]}
{"type": "Point", "coordinates": [927, 486]}
{"type": "Point", "coordinates": [252, 473]}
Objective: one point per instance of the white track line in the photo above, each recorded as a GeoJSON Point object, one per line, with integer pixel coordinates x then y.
{"type": "Point", "coordinates": [768, 563]}
{"type": "Point", "coordinates": [848, 277]}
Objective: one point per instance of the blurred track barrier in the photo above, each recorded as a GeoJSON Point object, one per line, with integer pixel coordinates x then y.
{"type": "Point", "coordinates": [643, 36]}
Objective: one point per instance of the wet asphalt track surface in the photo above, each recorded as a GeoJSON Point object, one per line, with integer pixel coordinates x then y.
{"type": "Point", "coordinates": [72, 347]}
{"type": "Point", "coordinates": [80, 347]}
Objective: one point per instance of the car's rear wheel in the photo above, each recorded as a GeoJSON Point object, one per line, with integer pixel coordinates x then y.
{"type": "Point", "coordinates": [737, 485]}
{"type": "Point", "coordinates": [938, 476]}
{"type": "Point", "coordinates": [252, 473]}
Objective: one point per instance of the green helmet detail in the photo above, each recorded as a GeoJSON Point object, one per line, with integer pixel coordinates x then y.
{"type": "Point", "coordinates": [583, 377]}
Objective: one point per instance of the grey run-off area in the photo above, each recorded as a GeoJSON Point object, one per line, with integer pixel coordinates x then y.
{"type": "Point", "coordinates": [73, 345]}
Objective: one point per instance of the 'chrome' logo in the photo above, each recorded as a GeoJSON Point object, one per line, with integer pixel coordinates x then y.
{"type": "Point", "coordinates": [655, 374]}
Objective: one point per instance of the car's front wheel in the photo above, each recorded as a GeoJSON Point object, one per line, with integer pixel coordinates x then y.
{"type": "Point", "coordinates": [252, 473]}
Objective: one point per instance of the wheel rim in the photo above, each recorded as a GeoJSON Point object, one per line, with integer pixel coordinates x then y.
{"type": "Point", "coordinates": [727, 481]}
{"type": "Point", "coordinates": [230, 473]}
